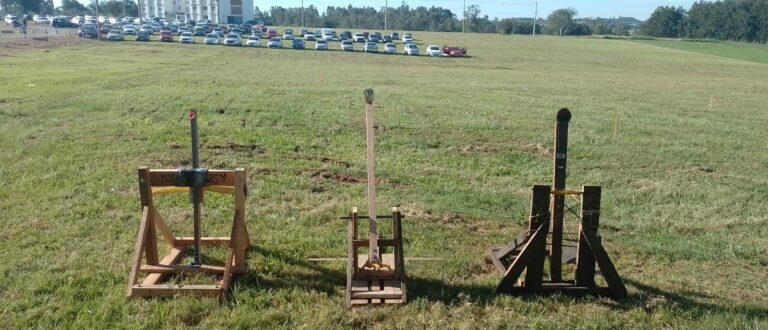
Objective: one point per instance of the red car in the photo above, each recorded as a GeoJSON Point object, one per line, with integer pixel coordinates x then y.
{"type": "Point", "coordinates": [455, 51]}
{"type": "Point", "coordinates": [166, 36]}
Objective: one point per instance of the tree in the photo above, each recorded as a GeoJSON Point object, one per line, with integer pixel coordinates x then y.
{"type": "Point", "coordinates": [665, 22]}
{"type": "Point", "coordinates": [560, 21]}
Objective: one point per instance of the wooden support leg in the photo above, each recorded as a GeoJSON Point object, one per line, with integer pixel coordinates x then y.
{"type": "Point", "coordinates": [534, 273]}
{"type": "Point", "coordinates": [615, 284]}
{"type": "Point", "coordinates": [590, 215]}
{"type": "Point", "coordinates": [138, 251]}
{"type": "Point", "coordinates": [538, 238]}
{"type": "Point", "coordinates": [351, 255]}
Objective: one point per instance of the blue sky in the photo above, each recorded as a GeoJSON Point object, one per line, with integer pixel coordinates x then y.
{"type": "Point", "coordinates": [640, 9]}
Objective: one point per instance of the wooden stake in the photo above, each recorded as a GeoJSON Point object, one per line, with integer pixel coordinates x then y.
{"type": "Point", "coordinates": [373, 235]}
{"type": "Point", "coordinates": [615, 133]}
{"type": "Point", "coordinates": [711, 103]}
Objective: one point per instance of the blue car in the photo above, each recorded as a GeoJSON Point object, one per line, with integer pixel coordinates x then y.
{"type": "Point", "coordinates": [297, 44]}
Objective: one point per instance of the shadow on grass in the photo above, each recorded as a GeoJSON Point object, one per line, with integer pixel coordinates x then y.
{"type": "Point", "coordinates": [649, 297]}
{"type": "Point", "coordinates": [302, 274]}
{"type": "Point", "coordinates": [437, 290]}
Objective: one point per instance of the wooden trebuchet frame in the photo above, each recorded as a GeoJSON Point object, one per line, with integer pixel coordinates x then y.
{"type": "Point", "coordinates": [145, 255]}
{"type": "Point", "coordinates": [367, 286]}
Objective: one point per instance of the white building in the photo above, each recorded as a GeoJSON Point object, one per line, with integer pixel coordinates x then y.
{"type": "Point", "coordinates": [217, 11]}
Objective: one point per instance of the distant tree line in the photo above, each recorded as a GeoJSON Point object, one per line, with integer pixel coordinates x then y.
{"type": "Point", "coordinates": [560, 22]}
{"type": "Point", "coordinates": [738, 20]}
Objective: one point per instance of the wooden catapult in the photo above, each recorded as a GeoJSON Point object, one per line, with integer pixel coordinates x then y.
{"type": "Point", "coordinates": [374, 278]}
{"type": "Point", "coordinates": [529, 251]}
{"type": "Point", "coordinates": [196, 181]}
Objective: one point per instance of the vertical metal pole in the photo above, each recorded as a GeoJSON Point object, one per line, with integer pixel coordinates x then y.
{"type": "Point", "coordinates": [196, 191]}
{"type": "Point", "coordinates": [558, 203]}
{"type": "Point", "coordinates": [302, 14]}
{"type": "Point", "coordinates": [373, 233]}
{"type": "Point", "coordinates": [386, 4]}
{"type": "Point", "coordinates": [535, 17]}
{"type": "Point", "coordinates": [464, 21]}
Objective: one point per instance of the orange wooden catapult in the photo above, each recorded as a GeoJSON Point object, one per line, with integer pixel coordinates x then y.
{"type": "Point", "coordinates": [196, 181]}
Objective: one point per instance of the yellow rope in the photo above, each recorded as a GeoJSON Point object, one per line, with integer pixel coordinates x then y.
{"type": "Point", "coordinates": [566, 192]}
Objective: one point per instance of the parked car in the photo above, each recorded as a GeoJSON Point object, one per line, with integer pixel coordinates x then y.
{"type": "Point", "coordinates": [275, 42]}
{"type": "Point", "coordinates": [257, 33]}
{"type": "Point", "coordinates": [40, 19]}
{"type": "Point", "coordinates": [237, 31]}
{"type": "Point", "coordinates": [187, 38]}
{"type": "Point", "coordinates": [200, 31]}
{"type": "Point", "coordinates": [129, 29]}
{"type": "Point", "coordinates": [386, 38]}
{"type": "Point", "coordinates": [302, 32]}
{"type": "Point", "coordinates": [310, 36]}
{"type": "Point", "coordinates": [271, 33]}
{"type": "Point", "coordinates": [115, 35]}
{"type": "Point", "coordinates": [373, 38]}
{"type": "Point", "coordinates": [288, 35]}
{"type": "Point", "coordinates": [233, 39]}
{"type": "Point", "coordinates": [253, 41]}
{"type": "Point", "coordinates": [407, 35]}
{"type": "Point", "coordinates": [359, 37]}
{"type": "Point", "coordinates": [87, 32]}
{"type": "Point", "coordinates": [407, 40]}
{"type": "Point", "coordinates": [104, 29]}
{"type": "Point", "coordinates": [411, 49]}
{"type": "Point", "coordinates": [370, 47]}
{"type": "Point", "coordinates": [454, 51]}
{"type": "Point", "coordinates": [219, 31]}
{"type": "Point", "coordinates": [142, 36]}
{"type": "Point", "coordinates": [390, 48]}
{"type": "Point", "coordinates": [347, 45]}
{"type": "Point", "coordinates": [166, 36]}
{"type": "Point", "coordinates": [433, 50]}
{"type": "Point", "coordinates": [297, 44]}
{"type": "Point", "coordinates": [211, 39]}
{"type": "Point", "coordinates": [62, 22]}
{"type": "Point", "coordinates": [395, 36]}
{"type": "Point", "coordinates": [147, 28]}
{"type": "Point", "coordinates": [321, 45]}
{"type": "Point", "coordinates": [378, 37]}
{"type": "Point", "coordinates": [345, 35]}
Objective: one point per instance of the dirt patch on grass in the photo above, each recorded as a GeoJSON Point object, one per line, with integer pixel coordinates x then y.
{"type": "Point", "coordinates": [236, 147]}
{"type": "Point", "coordinates": [538, 149]}
{"type": "Point", "coordinates": [324, 160]}
{"type": "Point", "coordinates": [447, 219]}
{"type": "Point", "coordinates": [476, 149]}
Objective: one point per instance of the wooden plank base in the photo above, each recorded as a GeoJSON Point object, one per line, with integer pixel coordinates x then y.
{"type": "Point", "coordinates": [375, 292]}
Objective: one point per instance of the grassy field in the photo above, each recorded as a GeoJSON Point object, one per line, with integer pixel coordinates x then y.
{"type": "Point", "coordinates": [460, 142]}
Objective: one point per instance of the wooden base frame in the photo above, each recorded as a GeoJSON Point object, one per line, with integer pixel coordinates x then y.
{"type": "Point", "coordinates": [375, 286]}
{"type": "Point", "coordinates": [156, 182]}
{"type": "Point", "coordinates": [533, 251]}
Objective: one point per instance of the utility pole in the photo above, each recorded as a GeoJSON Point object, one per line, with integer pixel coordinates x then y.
{"type": "Point", "coordinates": [386, 4]}
{"type": "Point", "coordinates": [535, 18]}
{"type": "Point", "coordinates": [124, 8]}
{"type": "Point", "coordinates": [302, 14]}
{"type": "Point", "coordinates": [140, 19]}
{"type": "Point", "coordinates": [98, 28]}
{"type": "Point", "coordinates": [464, 21]}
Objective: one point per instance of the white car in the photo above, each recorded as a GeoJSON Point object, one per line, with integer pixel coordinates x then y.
{"type": "Point", "coordinates": [321, 45]}
{"type": "Point", "coordinates": [115, 35]}
{"type": "Point", "coordinates": [275, 42]}
{"type": "Point", "coordinates": [41, 19]}
{"type": "Point", "coordinates": [211, 39]}
{"type": "Point", "coordinates": [310, 36]}
{"type": "Point", "coordinates": [347, 46]}
{"type": "Point", "coordinates": [407, 35]}
{"type": "Point", "coordinates": [218, 31]}
{"type": "Point", "coordinates": [390, 48]}
{"type": "Point", "coordinates": [232, 39]}
{"type": "Point", "coordinates": [370, 47]}
{"type": "Point", "coordinates": [129, 29]}
{"type": "Point", "coordinates": [359, 37]}
{"type": "Point", "coordinates": [433, 50]}
{"type": "Point", "coordinates": [253, 41]}
{"type": "Point", "coordinates": [187, 38]}
{"type": "Point", "coordinates": [288, 35]}
{"type": "Point", "coordinates": [411, 49]}
{"type": "Point", "coordinates": [407, 40]}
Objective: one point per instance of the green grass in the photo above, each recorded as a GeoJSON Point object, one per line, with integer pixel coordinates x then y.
{"type": "Point", "coordinates": [735, 50]}
{"type": "Point", "coordinates": [683, 187]}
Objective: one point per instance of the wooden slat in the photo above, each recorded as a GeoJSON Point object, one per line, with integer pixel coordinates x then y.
{"type": "Point", "coordinates": [382, 242]}
{"type": "Point", "coordinates": [516, 269]}
{"type": "Point", "coordinates": [174, 290]}
{"type": "Point", "coordinates": [539, 216]}
{"type": "Point", "coordinates": [164, 190]}
{"type": "Point", "coordinates": [590, 216]}
{"type": "Point", "coordinates": [377, 294]}
{"type": "Point", "coordinates": [162, 227]}
{"type": "Point", "coordinates": [169, 269]}
{"type": "Point", "coordinates": [186, 241]}
{"type": "Point", "coordinates": [138, 250]}
{"type": "Point", "coordinates": [375, 288]}
{"type": "Point", "coordinates": [351, 258]}
{"type": "Point", "coordinates": [615, 284]}
{"type": "Point", "coordinates": [227, 274]}
{"type": "Point", "coordinates": [170, 259]}
{"type": "Point", "coordinates": [167, 177]}
{"type": "Point", "coordinates": [150, 242]}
